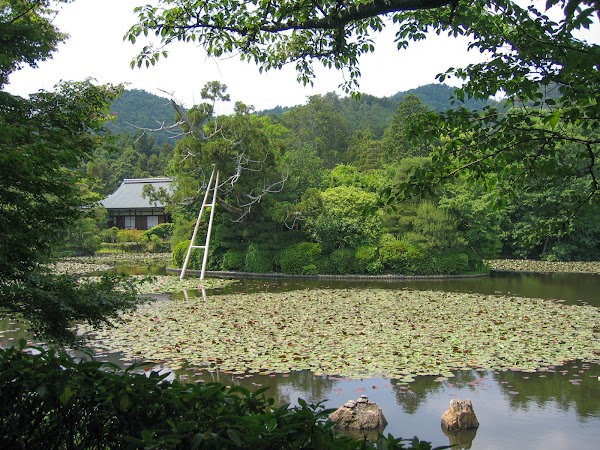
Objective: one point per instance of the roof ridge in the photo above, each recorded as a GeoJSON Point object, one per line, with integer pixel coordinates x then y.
{"type": "Point", "coordinates": [147, 180]}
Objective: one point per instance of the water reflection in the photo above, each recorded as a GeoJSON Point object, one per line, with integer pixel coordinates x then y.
{"type": "Point", "coordinates": [554, 409]}
{"type": "Point", "coordinates": [572, 288]}
{"type": "Point", "coordinates": [513, 408]}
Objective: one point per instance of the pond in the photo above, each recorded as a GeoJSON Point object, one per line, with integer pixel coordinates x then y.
{"type": "Point", "coordinates": [555, 408]}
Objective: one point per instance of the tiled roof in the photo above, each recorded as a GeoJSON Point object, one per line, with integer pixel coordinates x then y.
{"type": "Point", "coordinates": [129, 194]}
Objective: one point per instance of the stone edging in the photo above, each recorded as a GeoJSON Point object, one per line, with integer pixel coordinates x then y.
{"type": "Point", "coordinates": [227, 274]}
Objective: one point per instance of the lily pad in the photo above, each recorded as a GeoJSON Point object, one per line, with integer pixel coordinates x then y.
{"type": "Point", "coordinates": [358, 333]}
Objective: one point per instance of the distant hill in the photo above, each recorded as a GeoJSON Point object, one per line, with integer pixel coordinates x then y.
{"type": "Point", "coordinates": [437, 97]}
{"type": "Point", "coordinates": [136, 109]}
{"type": "Point", "coordinates": [376, 113]}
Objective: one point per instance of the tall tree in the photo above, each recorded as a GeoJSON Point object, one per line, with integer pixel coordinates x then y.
{"type": "Point", "coordinates": [398, 141]}
{"type": "Point", "coordinates": [238, 145]}
{"type": "Point", "coordinates": [43, 140]}
{"type": "Point", "coordinates": [319, 125]}
{"type": "Point", "coordinates": [527, 53]}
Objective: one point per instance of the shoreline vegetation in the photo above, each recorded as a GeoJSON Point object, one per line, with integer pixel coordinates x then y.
{"type": "Point", "coordinates": [82, 265]}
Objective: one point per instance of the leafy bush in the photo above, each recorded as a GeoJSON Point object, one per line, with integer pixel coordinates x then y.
{"type": "Point", "coordinates": [409, 259]}
{"type": "Point", "coordinates": [452, 263]}
{"type": "Point", "coordinates": [386, 238]}
{"type": "Point", "coordinates": [343, 261]}
{"type": "Point", "coordinates": [258, 260]}
{"type": "Point", "coordinates": [301, 258]}
{"type": "Point", "coordinates": [180, 252]}
{"type": "Point", "coordinates": [50, 400]}
{"type": "Point", "coordinates": [163, 231]}
{"type": "Point", "coordinates": [393, 255]}
{"type": "Point", "coordinates": [344, 219]}
{"type": "Point", "coordinates": [233, 260]}
{"type": "Point", "coordinates": [367, 260]}
{"type": "Point", "coordinates": [109, 235]}
{"type": "Point", "coordinates": [156, 244]}
{"type": "Point", "coordinates": [136, 236]}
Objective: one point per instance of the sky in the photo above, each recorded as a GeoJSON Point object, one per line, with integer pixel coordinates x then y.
{"type": "Point", "coordinates": [96, 49]}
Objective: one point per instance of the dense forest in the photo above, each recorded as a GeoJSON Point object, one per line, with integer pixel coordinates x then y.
{"type": "Point", "coordinates": [314, 188]}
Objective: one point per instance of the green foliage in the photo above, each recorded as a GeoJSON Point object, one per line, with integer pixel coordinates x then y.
{"type": "Point", "coordinates": [180, 252]}
{"type": "Point", "coordinates": [368, 260]}
{"type": "Point", "coordinates": [136, 236]}
{"type": "Point", "coordinates": [28, 35]}
{"type": "Point", "coordinates": [364, 151]}
{"type": "Point", "coordinates": [233, 260]}
{"type": "Point", "coordinates": [550, 110]}
{"type": "Point", "coordinates": [109, 235]}
{"type": "Point", "coordinates": [342, 260]}
{"type": "Point", "coordinates": [401, 257]}
{"type": "Point", "coordinates": [50, 400]}
{"type": "Point", "coordinates": [478, 218]}
{"type": "Point", "coordinates": [51, 303]}
{"type": "Point", "coordinates": [300, 259]}
{"type": "Point", "coordinates": [163, 231]}
{"type": "Point", "coordinates": [409, 259]}
{"type": "Point", "coordinates": [345, 219]}
{"type": "Point", "coordinates": [398, 140]}
{"type": "Point", "coordinates": [83, 237]}
{"type": "Point", "coordinates": [258, 260]}
{"type": "Point", "coordinates": [319, 126]}
{"type": "Point", "coordinates": [44, 139]}
{"type": "Point", "coordinates": [158, 238]}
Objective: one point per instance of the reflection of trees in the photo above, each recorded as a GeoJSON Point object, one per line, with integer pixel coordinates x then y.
{"type": "Point", "coordinates": [410, 397]}
{"type": "Point", "coordinates": [282, 388]}
{"type": "Point", "coordinates": [524, 390]}
{"type": "Point", "coordinates": [306, 385]}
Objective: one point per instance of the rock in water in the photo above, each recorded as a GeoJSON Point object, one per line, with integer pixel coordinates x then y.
{"type": "Point", "coordinates": [359, 415]}
{"type": "Point", "coordinates": [460, 416]}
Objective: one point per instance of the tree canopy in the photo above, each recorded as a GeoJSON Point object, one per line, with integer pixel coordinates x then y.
{"type": "Point", "coordinates": [534, 59]}
{"type": "Point", "coordinates": [43, 140]}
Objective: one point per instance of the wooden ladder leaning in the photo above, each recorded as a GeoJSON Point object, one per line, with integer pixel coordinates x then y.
{"type": "Point", "coordinates": [213, 184]}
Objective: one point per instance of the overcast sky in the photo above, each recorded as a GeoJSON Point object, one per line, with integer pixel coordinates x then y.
{"type": "Point", "coordinates": [96, 49]}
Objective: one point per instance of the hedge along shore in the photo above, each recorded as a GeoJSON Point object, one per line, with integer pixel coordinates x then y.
{"type": "Point", "coordinates": [278, 275]}
{"type": "Point", "coordinates": [525, 265]}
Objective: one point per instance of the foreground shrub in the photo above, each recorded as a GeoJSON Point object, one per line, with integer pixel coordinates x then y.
{"type": "Point", "coordinates": [49, 400]}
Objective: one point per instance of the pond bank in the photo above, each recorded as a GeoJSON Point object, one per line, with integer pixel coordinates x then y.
{"type": "Point", "coordinates": [278, 275]}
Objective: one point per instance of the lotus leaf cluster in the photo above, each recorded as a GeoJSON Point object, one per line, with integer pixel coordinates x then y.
{"type": "Point", "coordinates": [525, 265]}
{"type": "Point", "coordinates": [358, 333]}
{"type": "Point", "coordinates": [166, 283]}
{"type": "Point", "coordinates": [82, 265]}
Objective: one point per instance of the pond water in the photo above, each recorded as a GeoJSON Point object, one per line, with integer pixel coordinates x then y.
{"type": "Point", "coordinates": [558, 408]}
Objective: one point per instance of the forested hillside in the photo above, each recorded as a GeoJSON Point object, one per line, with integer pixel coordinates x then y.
{"type": "Point", "coordinates": [325, 187]}
{"type": "Point", "coordinates": [137, 109]}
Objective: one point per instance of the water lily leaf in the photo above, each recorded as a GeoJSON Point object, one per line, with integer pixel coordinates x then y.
{"type": "Point", "coordinates": [357, 333]}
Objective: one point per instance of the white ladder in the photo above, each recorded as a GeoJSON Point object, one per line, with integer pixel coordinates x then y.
{"type": "Point", "coordinates": [213, 184]}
